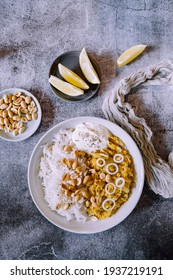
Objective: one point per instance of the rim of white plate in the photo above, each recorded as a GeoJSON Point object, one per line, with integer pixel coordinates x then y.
{"type": "Point", "coordinates": [89, 227]}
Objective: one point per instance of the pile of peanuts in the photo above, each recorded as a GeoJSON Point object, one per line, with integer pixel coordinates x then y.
{"type": "Point", "coordinates": [75, 184]}
{"type": "Point", "coordinates": [15, 111]}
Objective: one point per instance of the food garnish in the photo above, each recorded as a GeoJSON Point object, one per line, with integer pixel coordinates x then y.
{"type": "Point", "coordinates": [118, 158]}
{"type": "Point", "coordinates": [110, 188]}
{"type": "Point", "coordinates": [100, 162]}
{"type": "Point", "coordinates": [65, 87]}
{"type": "Point", "coordinates": [120, 182]}
{"type": "Point", "coordinates": [112, 168]}
{"type": "Point", "coordinates": [108, 204]}
{"type": "Point", "coordinates": [130, 54]}
{"type": "Point", "coordinates": [72, 77]}
{"type": "Point", "coordinates": [87, 68]}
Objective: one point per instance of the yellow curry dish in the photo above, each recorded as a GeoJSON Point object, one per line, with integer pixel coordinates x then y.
{"type": "Point", "coordinates": [107, 181]}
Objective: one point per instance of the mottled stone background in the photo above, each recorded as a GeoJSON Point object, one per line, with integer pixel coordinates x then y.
{"type": "Point", "coordinates": [33, 34]}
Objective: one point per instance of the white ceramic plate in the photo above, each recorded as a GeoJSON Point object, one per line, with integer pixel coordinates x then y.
{"type": "Point", "coordinates": [37, 192]}
{"type": "Point", "coordinates": [31, 125]}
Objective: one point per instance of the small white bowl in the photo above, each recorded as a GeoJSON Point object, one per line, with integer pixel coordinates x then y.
{"type": "Point", "coordinates": [37, 192]}
{"type": "Point", "coordinates": [31, 125]}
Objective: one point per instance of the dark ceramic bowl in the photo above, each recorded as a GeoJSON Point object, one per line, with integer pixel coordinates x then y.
{"type": "Point", "coordinates": [71, 60]}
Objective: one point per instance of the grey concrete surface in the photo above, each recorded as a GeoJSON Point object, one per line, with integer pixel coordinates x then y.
{"type": "Point", "coordinates": [33, 34]}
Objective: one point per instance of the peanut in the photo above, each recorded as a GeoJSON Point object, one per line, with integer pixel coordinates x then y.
{"type": "Point", "coordinates": [73, 182]}
{"type": "Point", "coordinates": [24, 110]}
{"type": "Point", "coordinates": [66, 177]}
{"type": "Point", "coordinates": [10, 114]}
{"type": "Point", "coordinates": [86, 179]}
{"type": "Point", "coordinates": [17, 94]}
{"type": "Point", "coordinates": [34, 116]}
{"type": "Point", "coordinates": [11, 127]}
{"type": "Point", "coordinates": [76, 154]}
{"type": "Point", "coordinates": [17, 118]}
{"type": "Point", "coordinates": [75, 165]}
{"type": "Point", "coordinates": [71, 188]}
{"type": "Point", "coordinates": [14, 110]}
{"type": "Point", "coordinates": [98, 200]}
{"type": "Point", "coordinates": [66, 206]}
{"type": "Point", "coordinates": [6, 122]}
{"type": "Point", "coordinates": [87, 203]}
{"type": "Point", "coordinates": [92, 199]}
{"type": "Point", "coordinates": [14, 97]}
{"type": "Point", "coordinates": [108, 178]}
{"type": "Point", "coordinates": [15, 132]}
{"type": "Point", "coordinates": [1, 127]}
{"type": "Point", "coordinates": [32, 103]}
{"type": "Point", "coordinates": [69, 163]}
{"type": "Point", "coordinates": [81, 153]}
{"type": "Point", "coordinates": [79, 169]}
{"type": "Point", "coordinates": [64, 187]}
{"type": "Point", "coordinates": [22, 129]}
{"type": "Point", "coordinates": [1, 121]}
{"type": "Point", "coordinates": [3, 106]}
{"type": "Point", "coordinates": [28, 99]}
{"type": "Point", "coordinates": [29, 117]}
{"type": "Point", "coordinates": [95, 205]}
{"type": "Point", "coordinates": [102, 176]}
{"type": "Point", "coordinates": [85, 194]}
{"type": "Point", "coordinates": [79, 181]}
{"type": "Point", "coordinates": [67, 193]}
{"type": "Point", "coordinates": [77, 198]}
{"type": "Point", "coordinates": [74, 176]}
{"type": "Point", "coordinates": [17, 101]}
{"type": "Point", "coordinates": [67, 148]}
{"type": "Point", "coordinates": [24, 119]}
{"type": "Point", "coordinates": [93, 171]}
{"type": "Point", "coordinates": [19, 112]}
{"type": "Point", "coordinates": [6, 99]}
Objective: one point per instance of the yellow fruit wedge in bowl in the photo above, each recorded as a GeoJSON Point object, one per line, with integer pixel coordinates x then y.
{"type": "Point", "coordinates": [130, 54]}
{"type": "Point", "coordinates": [65, 87]}
{"type": "Point", "coordinates": [87, 68]}
{"type": "Point", "coordinates": [72, 77]}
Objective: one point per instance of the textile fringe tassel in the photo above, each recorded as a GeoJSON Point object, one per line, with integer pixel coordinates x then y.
{"type": "Point", "coordinates": [159, 174]}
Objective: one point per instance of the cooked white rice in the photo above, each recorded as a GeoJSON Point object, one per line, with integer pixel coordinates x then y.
{"type": "Point", "coordinates": [85, 137]}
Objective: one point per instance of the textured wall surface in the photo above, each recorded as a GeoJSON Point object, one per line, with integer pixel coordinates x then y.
{"type": "Point", "coordinates": [33, 33]}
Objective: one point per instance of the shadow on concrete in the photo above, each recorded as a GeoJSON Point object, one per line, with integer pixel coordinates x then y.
{"type": "Point", "coordinates": [107, 64]}
{"type": "Point", "coordinates": [7, 50]}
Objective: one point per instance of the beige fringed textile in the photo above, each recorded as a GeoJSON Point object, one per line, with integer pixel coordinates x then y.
{"type": "Point", "coordinates": [159, 174]}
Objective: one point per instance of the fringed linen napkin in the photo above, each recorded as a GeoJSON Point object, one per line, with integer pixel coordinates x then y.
{"type": "Point", "coordinates": [159, 173]}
